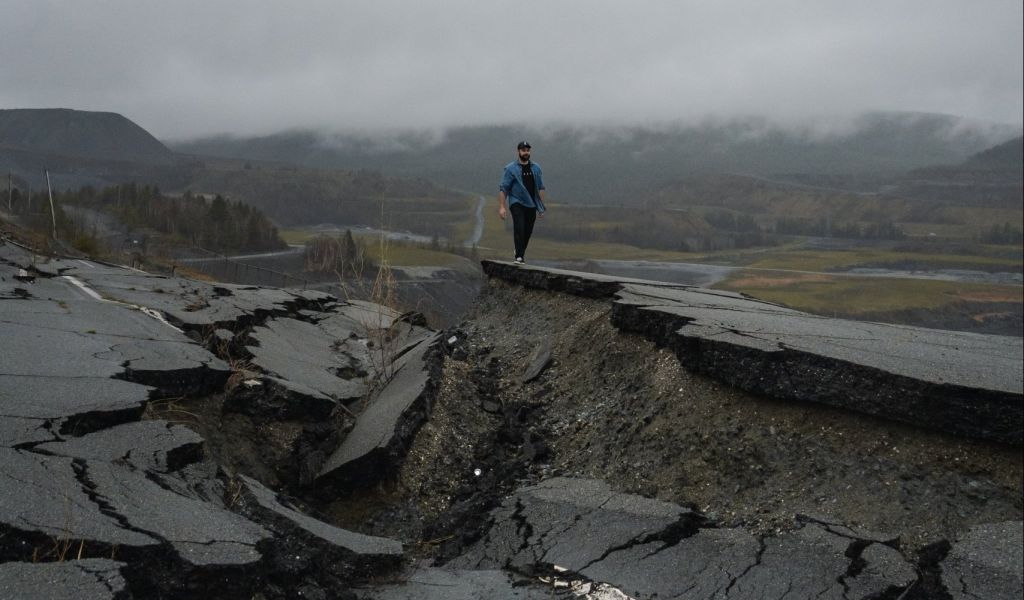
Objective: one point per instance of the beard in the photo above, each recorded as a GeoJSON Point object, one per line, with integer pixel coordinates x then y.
{"type": "Point", "coordinates": [524, 156]}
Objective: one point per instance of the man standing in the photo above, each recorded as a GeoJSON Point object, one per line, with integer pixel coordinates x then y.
{"type": "Point", "coordinates": [522, 189]}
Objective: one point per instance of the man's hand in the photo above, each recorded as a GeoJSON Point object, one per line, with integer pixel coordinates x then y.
{"type": "Point", "coordinates": [502, 212]}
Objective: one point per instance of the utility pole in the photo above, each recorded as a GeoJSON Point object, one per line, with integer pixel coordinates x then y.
{"type": "Point", "coordinates": [53, 214]}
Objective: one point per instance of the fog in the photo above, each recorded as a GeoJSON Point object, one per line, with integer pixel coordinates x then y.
{"type": "Point", "coordinates": [192, 68]}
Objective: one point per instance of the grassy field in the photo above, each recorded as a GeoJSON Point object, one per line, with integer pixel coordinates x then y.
{"type": "Point", "coordinates": [496, 243]}
{"type": "Point", "coordinates": [844, 295]}
{"type": "Point", "coordinates": [831, 260]}
{"type": "Point", "coordinates": [296, 236]}
{"type": "Point", "coordinates": [410, 255]}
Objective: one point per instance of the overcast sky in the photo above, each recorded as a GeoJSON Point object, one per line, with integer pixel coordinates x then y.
{"type": "Point", "coordinates": [183, 68]}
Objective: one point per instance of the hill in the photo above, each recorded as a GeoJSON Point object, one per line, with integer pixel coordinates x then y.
{"type": "Point", "coordinates": [613, 165]}
{"type": "Point", "coordinates": [749, 168]}
{"type": "Point", "coordinates": [990, 178]}
{"type": "Point", "coordinates": [980, 192]}
{"type": "Point", "coordinates": [1007, 157]}
{"type": "Point", "coordinates": [76, 133]}
{"type": "Point", "coordinates": [98, 149]}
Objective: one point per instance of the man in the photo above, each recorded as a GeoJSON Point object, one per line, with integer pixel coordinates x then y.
{"type": "Point", "coordinates": [521, 193]}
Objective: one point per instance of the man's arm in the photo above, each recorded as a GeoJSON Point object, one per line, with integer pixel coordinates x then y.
{"type": "Point", "coordinates": [503, 188]}
{"type": "Point", "coordinates": [539, 174]}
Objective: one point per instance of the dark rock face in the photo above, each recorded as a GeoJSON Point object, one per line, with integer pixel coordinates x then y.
{"type": "Point", "coordinates": [967, 384]}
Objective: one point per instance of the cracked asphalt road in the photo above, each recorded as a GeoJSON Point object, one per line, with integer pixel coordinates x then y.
{"type": "Point", "coordinates": [164, 437]}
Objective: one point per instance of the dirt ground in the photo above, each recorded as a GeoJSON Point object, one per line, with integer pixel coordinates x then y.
{"type": "Point", "coordinates": [615, 407]}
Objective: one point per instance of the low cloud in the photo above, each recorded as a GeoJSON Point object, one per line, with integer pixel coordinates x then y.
{"type": "Point", "coordinates": [194, 68]}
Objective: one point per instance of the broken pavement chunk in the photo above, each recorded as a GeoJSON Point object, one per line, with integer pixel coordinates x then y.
{"type": "Point", "coordinates": [383, 431]}
{"type": "Point", "coordinates": [647, 548]}
{"type": "Point", "coordinates": [572, 523]}
{"type": "Point", "coordinates": [304, 353]}
{"type": "Point", "coordinates": [327, 542]}
{"type": "Point", "coordinates": [147, 445]}
{"type": "Point", "coordinates": [986, 562]}
{"type": "Point", "coordinates": [201, 533]}
{"type": "Point", "coordinates": [113, 504]}
{"type": "Point", "coordinates": [88, 579]}
{"type": "Point", "coordinates": [426, 583]}
{"type": "Point", "coordinates": [44, 494]}
{"type": "Point", "coordinates": [370, 315]}
{"type": "Point", "coordinates": [539, 360]}
{"type": "Point", "coordinates": [963, 383]}
{"type": "Point", "coordinates": [272, 398]}
{"type": "Point", "coordinates": [813, 562]}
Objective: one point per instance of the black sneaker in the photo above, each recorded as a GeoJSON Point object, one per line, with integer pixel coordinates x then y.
{"type": "Point", "coordinates": [519, 260]}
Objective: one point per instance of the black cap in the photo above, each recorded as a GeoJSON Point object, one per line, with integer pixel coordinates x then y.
{"type": "Point", "coordinates": [523, 144]}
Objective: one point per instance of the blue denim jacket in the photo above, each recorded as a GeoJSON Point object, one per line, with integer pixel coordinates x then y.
{"type": "Point", "coordinates": [514, 188]}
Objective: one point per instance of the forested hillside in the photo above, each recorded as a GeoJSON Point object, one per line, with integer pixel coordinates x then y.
{"type": "Point", "coordinates": [616, 165]}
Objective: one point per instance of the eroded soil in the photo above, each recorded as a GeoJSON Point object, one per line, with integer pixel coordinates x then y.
{"type": "Point", "coordinates": [613, 406]}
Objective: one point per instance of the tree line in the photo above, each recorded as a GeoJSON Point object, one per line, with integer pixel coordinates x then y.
{"type": "Point", "coordinates": [698, 231]}
{"type": "Point", "coordinates": [216, 223]}
{"type": "Point", "coordinates": [1004, 234]}
{"type": "Point", "coordinates": [337, 254]}
{"type": "Point", "coordinates": [881, 230]}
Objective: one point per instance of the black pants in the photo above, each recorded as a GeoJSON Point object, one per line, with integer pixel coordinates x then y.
{"type": "Point", "coordinates": [523, 219]}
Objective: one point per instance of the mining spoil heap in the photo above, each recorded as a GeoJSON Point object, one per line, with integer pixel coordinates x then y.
{"type": "Point", "coordinates": [575, 436]}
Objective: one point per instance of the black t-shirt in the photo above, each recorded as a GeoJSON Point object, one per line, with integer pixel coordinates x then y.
{"type": "Point", "coordinates": [531, 185]}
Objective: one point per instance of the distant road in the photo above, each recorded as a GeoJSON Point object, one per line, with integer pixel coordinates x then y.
{"type": "Point", "coordinates": [478, 228]}
{"type": "Point", "coordinates": [294, 249]}
{"type": "Point", "coordinates": [804, 186]}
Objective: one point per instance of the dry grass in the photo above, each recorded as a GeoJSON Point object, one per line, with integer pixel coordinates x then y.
{"type": "Point", "coordinates": [757, 280]}
{"type": "Point", "coordinates": [993, 295]}
{"type": "Point", "coordinates": [846, 295]}
{"type": "Point", "coordinates": [171, 410]}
